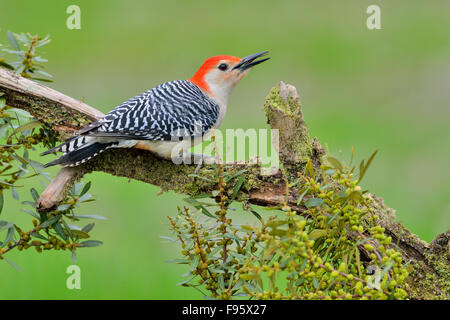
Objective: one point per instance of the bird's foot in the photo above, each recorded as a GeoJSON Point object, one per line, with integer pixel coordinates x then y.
{"type": "Point", "coordinates": [198, 159]}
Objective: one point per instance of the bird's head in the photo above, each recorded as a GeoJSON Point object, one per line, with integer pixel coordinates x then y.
{"type": "Point", "coordinates": [218, 75]}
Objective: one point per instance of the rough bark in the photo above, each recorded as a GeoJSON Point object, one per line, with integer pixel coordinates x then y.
{"type": "Point", "coordinates": [429, 276]}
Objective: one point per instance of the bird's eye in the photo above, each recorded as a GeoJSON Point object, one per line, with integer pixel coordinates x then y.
{"type": "Point", "coordinates": [223, 66]}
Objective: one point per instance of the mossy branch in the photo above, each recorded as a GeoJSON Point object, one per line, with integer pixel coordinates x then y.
{"type": "Point", "coordinates": [429, 276]}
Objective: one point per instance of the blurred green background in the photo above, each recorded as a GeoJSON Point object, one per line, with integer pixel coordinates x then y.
{"type": "Point", "coordinates": [383, 89]}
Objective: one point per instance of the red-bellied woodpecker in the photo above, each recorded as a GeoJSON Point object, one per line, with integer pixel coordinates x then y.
{"type": "Point", "coordinates": [159, 117]}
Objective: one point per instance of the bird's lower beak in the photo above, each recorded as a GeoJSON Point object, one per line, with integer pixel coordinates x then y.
{"type": "Point", "coordinates": [250, 61]}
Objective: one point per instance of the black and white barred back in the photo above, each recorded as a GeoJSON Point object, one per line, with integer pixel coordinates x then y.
{"type": "Point", "coordinates": [172, 109]}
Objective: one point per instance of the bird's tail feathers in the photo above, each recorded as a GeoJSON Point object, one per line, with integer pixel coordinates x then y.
{"type": "Point", "coordinates": [81, 155]}
{"type": "Point", "coordinates": [70, 145]}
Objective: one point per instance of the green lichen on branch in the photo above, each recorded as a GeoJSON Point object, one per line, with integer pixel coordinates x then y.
{"type": "Point", "coordinates": [144, 166]}
{"type": "Point", "coordinates": [428, 264]}
{"type": "Point", "coordinates": [438, 257]}
{"type": "Point", "coordinates": [64, 120]}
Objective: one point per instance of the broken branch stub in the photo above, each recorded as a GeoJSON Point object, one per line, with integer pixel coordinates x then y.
{"type": "Point", "coordinates": [284, 112]}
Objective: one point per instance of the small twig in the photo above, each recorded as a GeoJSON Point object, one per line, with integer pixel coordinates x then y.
{"type": "Point", "coordinates": [20, 239]}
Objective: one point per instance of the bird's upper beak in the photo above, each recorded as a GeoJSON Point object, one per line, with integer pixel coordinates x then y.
{"type": "Point", "coordinates": [250, 61]}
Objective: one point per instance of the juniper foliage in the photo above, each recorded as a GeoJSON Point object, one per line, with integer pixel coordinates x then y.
{"type": "Point", "coordinates": [20, 135]}
{"type": "Point", "coordinates": [333, 249]}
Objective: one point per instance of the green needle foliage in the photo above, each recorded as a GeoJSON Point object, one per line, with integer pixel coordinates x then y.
{"type": "Point", "coordinates": [20, 134]}
{"type": "Point", "coordinates": [313, 254]}
{"type": "Point", "coordinates": [28, 63]}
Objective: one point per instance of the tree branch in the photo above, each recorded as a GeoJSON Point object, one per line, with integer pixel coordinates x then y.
{"type": "Point", "coordinates": [429, 277]}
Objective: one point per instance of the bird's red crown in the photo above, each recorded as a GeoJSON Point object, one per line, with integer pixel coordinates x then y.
{"type": "Point", "coordinates": [210, 63]}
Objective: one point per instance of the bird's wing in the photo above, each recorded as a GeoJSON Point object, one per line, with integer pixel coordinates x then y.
{"type": "Point", "coordinates": [173, 109]}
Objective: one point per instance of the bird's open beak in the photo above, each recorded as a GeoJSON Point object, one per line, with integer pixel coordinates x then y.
{"type": "Point", "coordinates": [250, 61]}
